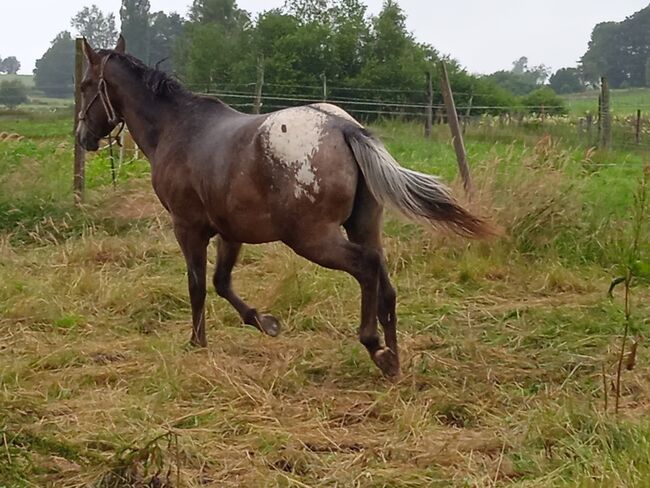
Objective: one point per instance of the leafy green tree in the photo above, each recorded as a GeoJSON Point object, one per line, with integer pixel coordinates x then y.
{"type": "Point", "coordinates": [522, 79]}
{"type": "Point", "coordinates": [566, 80]}
{"type": "Point", "coordinates": [544, 100]}
{"type": "Point", "coordinates": [135, 18]}
{"type": "Point", "coordinates": [165, 30]}
{"type": "Point", "coordinates": [9, 65]}
{"type": "Point", "coordinates": [53, 74]}
{"type": "Point", "coordinates": [98, 28]}
{"type": "Point", "coordinates": [619, 50]}
{"type": "Point", "coordinates": [394, 58]}
{"type": "Point", "coordinates": [225, 13]}
{"type": "Point", "coordinates": [12, 93]}
{"type": "Point", "coordinates": [216, 42]}
{"type": "Point", "coordinates": [220, 48]}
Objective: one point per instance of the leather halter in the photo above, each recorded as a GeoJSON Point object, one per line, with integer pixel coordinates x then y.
{"type": "Point", "coordinates": [113, 118]}
{"type": "Point", "coordinates": [102, 95]}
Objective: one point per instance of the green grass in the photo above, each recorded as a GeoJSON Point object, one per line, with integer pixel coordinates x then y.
{"type": "Point", "coordinates": [624, 101]}
{"type": "Point", "coordinates": [502, 343]}
{"type": "Point", "coordinates": [27, 80]}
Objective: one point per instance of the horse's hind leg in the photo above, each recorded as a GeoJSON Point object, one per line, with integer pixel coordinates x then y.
{"type": "Point", "coordinates": [364, 227]}
{"type": "Point", "coordinates": [227, 254]}
{"type": "Point", "coordinates": [331, 250]}
{"type": "Point", "coordinates": [194, 245]}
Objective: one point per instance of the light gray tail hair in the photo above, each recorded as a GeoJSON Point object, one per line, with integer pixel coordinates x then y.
{"type": "Point", "coordinates": [417, 196]}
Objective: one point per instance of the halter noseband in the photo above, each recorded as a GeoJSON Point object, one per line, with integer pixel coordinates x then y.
{"type": "Point", "coordinates": [102, 94]}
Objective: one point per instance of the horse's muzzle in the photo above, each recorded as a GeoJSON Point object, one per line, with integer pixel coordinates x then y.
{"type": "Point", "coordinates": [88, 142]}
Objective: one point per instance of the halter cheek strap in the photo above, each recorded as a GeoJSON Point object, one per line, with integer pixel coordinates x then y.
{"type": "Point", "coordinates": [102, 94]}
{"type": "Point", "coordinates": [113, 118]}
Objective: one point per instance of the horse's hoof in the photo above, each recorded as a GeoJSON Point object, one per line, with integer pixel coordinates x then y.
{"type": "Point", "coordinates": [269, 325]}
{"type": "Point", "coordinates": [388, 362]}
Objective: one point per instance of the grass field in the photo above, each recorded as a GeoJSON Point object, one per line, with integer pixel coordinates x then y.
{"type": "Point", "coordinates": [624, 101]}
{"type": "Point", "coordinates": [27, 80]}
{"type": "Point", "coordinates": [508, 347]}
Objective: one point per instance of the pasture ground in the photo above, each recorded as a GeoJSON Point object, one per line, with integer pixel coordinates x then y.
{"type": "Point", "coordinates": [508, 347]}
{"type": "Point", "coordinates": [624, 101]}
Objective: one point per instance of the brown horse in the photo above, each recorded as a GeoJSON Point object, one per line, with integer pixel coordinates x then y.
{"type": "Point", "coordinates": [297, 175]}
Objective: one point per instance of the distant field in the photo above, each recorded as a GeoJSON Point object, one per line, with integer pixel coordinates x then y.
{"type": "Point", "coordinates": [623, 101]}
{"type": "Point", "coordinates": [28, 80]}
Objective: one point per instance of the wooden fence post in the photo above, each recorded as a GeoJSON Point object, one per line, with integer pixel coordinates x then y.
{"type": "Point", "coordinates": [428, 122]}
{"type": "Point", "coordinates": [589, 121]}
{"type": "Point", "coordinates": [637, 135]}
{"type": "Point", "coordinates": [605, 115]}
{"type": "Point", "coordinates": [599, 126]}
{"type": "Point", "coordinates": [452, 118]}
{"type": "Point", "coordinates": [468, 113]}
{"type": "Point", "coordinates": [79, 153]}
{"type": "Point", "coordinates": [324, 76]}
{"type": "Point", "coordinates": [259, 85]}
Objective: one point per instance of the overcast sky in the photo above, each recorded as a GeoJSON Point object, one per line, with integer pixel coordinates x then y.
{"type": "Point", "coordinates": [484, 35]}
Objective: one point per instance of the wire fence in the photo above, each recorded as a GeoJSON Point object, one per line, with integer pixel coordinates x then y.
{"type": "Point", "coordinates": [370, 104]}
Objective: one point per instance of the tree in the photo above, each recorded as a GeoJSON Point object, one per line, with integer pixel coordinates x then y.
{"type": "Point", "coordinates": [135, 18]}
{"type": "Point", "coordinates": [165, 30]}
{"type": "Point", "coordinates": [544, 100]}
{"type": "Point", "coordinates": [619, 50]}
{"type": "Point", "coordinates": [225, 13]}
{"type": "Point", "coordinates": [522, 79]}
{"type": "Point", "coordinates": [54, 71]}
{"type": "Point", "coordinates": [566, 80]}
{"type": "Point", "coordinates": [97, 28]}
{"type": "Point", "coordinates": [9, 65]}
{"type": "Point", "coordinates": [12, 93]}
{"type": "Point", "coordinates": [216, 43]}
{"type": "Point", "coordinates": [393, 57]}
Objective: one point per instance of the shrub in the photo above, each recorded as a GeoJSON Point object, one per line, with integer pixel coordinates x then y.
{"type": "Point", "coordinates": [544, 100]}
{"type": "Point", "coordinates": [12, 93]}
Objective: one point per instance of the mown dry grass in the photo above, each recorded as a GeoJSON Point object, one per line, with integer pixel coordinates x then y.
{"type": "Point", "coordinates": [503, 345]}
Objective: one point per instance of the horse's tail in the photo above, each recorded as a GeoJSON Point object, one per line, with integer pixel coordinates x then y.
{"type": "Point", "coordinates": [417, 196]}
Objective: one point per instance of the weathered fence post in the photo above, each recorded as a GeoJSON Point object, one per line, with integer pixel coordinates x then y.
{"type": "Point", "coordinates": [468, 113]}
{"type": "Point", "coordinates": [452, 119]}
{"type": "Point", "coordinates": [324, 77]}
{"type": "Point", "coordinates": [637, 134]}
{"type": "Point", "coordinates": [259, 85]}
{"type": "Point", "coordinates": [428, 122]}
{"type": "Point", "coordinates": [79, 153]}
{"type": "Point", "coordinates": [589, 121]}
{"type": "Point", "coordinates": [599, 126]}
{"type": "Point", "coordinates": [605, 115]}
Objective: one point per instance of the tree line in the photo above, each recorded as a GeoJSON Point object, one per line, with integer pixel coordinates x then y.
{"type": "Point", "coordinates": [308, 44]}
{"type": "Point", "coordinates": [301, 47]}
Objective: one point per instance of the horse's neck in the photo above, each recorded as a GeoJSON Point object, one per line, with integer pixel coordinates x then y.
{"type": "Point", "coordinates": [145, 118]}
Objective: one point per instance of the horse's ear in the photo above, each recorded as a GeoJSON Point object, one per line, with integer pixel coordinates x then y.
{"type": "Point", "coordinates": [121, 45]}
{"type": "Point", "coordinates": [91, 56]}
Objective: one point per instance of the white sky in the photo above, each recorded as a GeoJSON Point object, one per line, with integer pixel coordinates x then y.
{"type": "Point", "coordinates": [484, 35]}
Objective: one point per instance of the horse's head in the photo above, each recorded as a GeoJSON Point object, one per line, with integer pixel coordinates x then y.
{"type": "Point", "coordinates": [97, 117]}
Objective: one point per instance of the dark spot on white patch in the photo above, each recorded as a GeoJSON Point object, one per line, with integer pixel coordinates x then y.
{"type": "Point", "coordinates": [284, 128]}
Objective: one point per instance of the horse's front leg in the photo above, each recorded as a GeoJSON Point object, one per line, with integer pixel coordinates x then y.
{"type": "Point", "coordinates": [227, 254]}
{"type": "Point", "coordinates": [194, 245]}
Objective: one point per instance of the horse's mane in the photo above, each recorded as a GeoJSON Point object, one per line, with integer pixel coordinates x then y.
{"type": "Point", "coordinates": [158, 82]}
